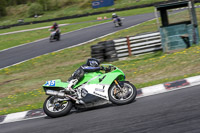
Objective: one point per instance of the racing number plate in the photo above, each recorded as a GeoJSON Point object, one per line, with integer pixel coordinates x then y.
{"type": "Point", "coordinates": [50, 83]}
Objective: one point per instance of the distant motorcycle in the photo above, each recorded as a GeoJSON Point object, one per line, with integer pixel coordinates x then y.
{"type": "Point", "coordinates": [54, 35]}
{"type": "Point", "coordinates": [117, 22]}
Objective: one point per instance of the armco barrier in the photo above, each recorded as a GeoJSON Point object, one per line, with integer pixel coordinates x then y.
{"type": "Point", "coordinates": [136, 45]}
{"type": "Point", "coordinates": [123, 47]}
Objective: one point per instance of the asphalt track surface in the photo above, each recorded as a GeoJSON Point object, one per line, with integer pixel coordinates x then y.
{"type": "Point", "coordinates": [172, 112]}
{"type": "Point", "coordinates": [19, 54]}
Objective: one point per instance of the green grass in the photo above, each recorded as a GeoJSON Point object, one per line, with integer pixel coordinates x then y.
{"type": "Point", "coordinates": [21, 85]}
{"type": "Point", "coordinates": [20, 11]}
{"type": "Point", "coordinates": [11, 40]}
{"type": "Point", "coordinates": [158, 68]}
{"type": "Point", "coordinates": [7, 41]}
{"type": "Point", "coordinates": [82, 19]}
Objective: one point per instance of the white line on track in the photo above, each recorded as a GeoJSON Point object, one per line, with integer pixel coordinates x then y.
{"type": "Point", "coordinates": [48, 37]}
{"type": "Point", "coordinates": [40, 28]}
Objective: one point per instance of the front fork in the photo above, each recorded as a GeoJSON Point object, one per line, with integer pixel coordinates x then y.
{"type": "Point", "coordinates": [118, 89]}
{"type": "Point", "coordinates": [117, 83]}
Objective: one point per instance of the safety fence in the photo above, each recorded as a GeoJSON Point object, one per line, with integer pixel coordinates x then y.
{"type": "Point", "coordinates": [127, 46]}
{"type": "Point", "coordinates": [138, 44]}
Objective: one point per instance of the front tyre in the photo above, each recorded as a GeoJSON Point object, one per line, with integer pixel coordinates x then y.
{"type": "Point", "coordinates": [126, 95]}
{"type": "Point", "coordinates": [56, 107]}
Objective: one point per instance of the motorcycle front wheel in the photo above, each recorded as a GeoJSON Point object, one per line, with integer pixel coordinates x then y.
{"type": "Point", "coordinates": [56, 107]}
{"type": "Point", "coordinates": [122, 96]}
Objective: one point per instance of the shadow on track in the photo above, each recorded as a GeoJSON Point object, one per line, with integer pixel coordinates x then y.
{"type": "Point", "coordinates": [80, 110]}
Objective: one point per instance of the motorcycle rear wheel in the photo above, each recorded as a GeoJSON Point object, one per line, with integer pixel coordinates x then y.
{"type": "Point", "coordinates": [127, 95]}
{"type": "Point", "coordinates": [55, 108]}
{"type": "Point", "coordinates": [51, 39]}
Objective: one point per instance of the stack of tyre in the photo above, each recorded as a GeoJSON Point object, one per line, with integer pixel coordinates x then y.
{"type": "Point", "coordinates": [104, 51]}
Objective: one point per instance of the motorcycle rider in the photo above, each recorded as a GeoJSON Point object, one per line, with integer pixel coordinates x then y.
{"type": "Point", "coordinates": [55, 28]}
{"type": "Point", "coordinates": [115, 17]}
{"type": "Point", "coordinates": [92, 65]}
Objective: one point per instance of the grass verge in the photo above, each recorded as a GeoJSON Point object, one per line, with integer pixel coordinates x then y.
{"type": "Point", "coordinates": [11, 40]}
{"type": "Point", "coordinates": [21, 84]}
{"type": "Point", "coordinates": [79, 7]}
{"type": "Point", "coordinates": [7, 41]}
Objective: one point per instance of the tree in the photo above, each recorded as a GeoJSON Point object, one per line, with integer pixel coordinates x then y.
{"type": "Point", "coordinates": [45, 4]}
{"type": "Point", "coordinates": [18, 2]}
{"type": "Point", "coordinates": [2, 8]}
{"type": "Point", "coordinates": [35, 9]}
{"type": "Point", "coordinates": [10, 2]}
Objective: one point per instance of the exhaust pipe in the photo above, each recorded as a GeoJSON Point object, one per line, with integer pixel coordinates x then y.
{"type": "Point", "coordinates": [55, 93]}
{"type": "Point", "coordinates": [59, 94]}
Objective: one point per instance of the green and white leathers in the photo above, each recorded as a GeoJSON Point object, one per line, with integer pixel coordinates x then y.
{"type": "Point", "coordinates": [108, 84]}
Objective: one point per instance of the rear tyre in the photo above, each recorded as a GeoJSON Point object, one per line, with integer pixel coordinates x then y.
{"type": "Point", "coordinates": [54, 107]}
{"type": "Point", "coordinates": [58, 37]}
{"type": "Point", "coordinates": [125, 96]}
{"type": "Point", "coordinates": [51, 39]}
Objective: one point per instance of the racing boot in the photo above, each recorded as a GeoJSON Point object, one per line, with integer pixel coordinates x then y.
{"type": "Point", "coordinates": [71, 83]}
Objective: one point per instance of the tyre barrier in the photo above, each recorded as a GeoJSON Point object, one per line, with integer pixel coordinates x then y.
{"type": "Point", "coordinates": [104, 51]}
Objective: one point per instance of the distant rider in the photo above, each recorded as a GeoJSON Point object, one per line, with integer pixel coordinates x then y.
{"type": "Point", "coordinates": [55, 28]}
{"type": "Point", "coordinates": [92, 65]}
{"type": "Point", "coordinates": [115, 17]}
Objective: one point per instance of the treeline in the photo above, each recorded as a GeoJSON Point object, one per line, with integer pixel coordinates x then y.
{"type": "Point", "coordinates": [39, 6]}
{"type": "Point", "coordinates": [6, 3]}
{"type": "Point", "coordinates": [18, 2]}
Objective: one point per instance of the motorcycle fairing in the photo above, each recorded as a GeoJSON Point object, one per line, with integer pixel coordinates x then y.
{"type": "Point", "coordinates": [99, 90]}
{"type": "Point", "coordinates": [55, 83]}
{"type": "Point", "coordinates": [53, 33]}
{"type": "Point", "coordinates": [100, 84]}
{"type": "Point", "coordinates": [96, 83]}
{"type": "Point", "coordinates": [89, 77]}
{"type": "Point", "coordinates": [100, 78]}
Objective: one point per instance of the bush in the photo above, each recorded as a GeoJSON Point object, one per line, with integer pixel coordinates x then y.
{"type": "Point", "coordinates": [35, 9]}
{"type": "Point", "coordinates": [18, 10]}
{"type": "Point", "coordinates": [45, 4]}
{"type": "Point", "coordinates": [56, 4]}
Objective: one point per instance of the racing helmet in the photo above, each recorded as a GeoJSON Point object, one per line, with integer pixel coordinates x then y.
{"type": "Point", "coordinates": [55, 24]}
{"type": "Point", "coordinates": [93, 62]}
{"type": "Point", "coordinates": [114, 14]}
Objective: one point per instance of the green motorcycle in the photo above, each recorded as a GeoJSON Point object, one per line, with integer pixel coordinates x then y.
{"type": "Point", "coordinates": [95, 88]}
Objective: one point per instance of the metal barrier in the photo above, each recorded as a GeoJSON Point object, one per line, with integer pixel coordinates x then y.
{"type": "Point", "coordinates": [113, 50]}
{"type": "Point", "coordinates": [138, 44]}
